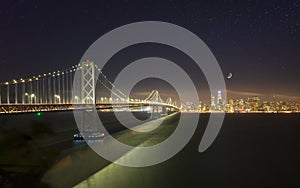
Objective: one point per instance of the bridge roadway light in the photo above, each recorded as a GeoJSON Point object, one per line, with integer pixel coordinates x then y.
{"type": "Point", "coordinates": [27, 95]}
{"type": "Point", "coordinates": [76, 99]}
{"type": "Point", "coordinates": [31, 98]}
{"type": "Point", "coordinates": [58, 97]}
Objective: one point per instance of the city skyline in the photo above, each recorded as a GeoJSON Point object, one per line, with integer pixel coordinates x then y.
{"type": "Point", "coordinates": [252, 104]}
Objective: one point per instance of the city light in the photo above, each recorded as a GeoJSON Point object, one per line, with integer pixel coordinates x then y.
{"type": "Point", "coordinates": [250, 105]}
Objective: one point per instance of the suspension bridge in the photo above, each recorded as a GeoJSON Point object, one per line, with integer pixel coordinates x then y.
{"type": "Point", "coordinates": [53, 92]}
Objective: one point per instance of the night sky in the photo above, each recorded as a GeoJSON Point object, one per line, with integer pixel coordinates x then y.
{"type": "Point", "coordinates": [258, 41]}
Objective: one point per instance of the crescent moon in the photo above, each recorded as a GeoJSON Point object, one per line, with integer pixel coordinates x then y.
{"type": "Point", "coordinates": [229, 76]}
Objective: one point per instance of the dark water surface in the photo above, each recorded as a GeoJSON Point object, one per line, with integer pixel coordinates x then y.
{"type": "Point", "coordinates": [251, 150]}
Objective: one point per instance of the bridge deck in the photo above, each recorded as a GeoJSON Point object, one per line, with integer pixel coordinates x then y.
{"type": "Point", "coordinates": [24, 108]}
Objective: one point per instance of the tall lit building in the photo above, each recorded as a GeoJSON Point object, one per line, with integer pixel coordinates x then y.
{"type": "Point", "coordinates": [212, 103]}
{"type": "Point", "coordinates": [220, 102]}
{"type": "Point", "coordinates": [219, 98]}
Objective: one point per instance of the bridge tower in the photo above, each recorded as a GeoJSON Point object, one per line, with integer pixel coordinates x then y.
{"type": "Point", "coordinates": [155, 99]}
{"type": "Point", "coordinates": [88, 97]}
{"type": "Point", "coordinates": [88, 82]}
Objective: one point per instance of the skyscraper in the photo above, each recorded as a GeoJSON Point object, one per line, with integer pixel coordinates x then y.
{"type": "Point", "coordinates": [220, 102]}
{"type": "Point", "coordinates": [212, 103]}
{"type": "Point", "coordinates": [219, 98]}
